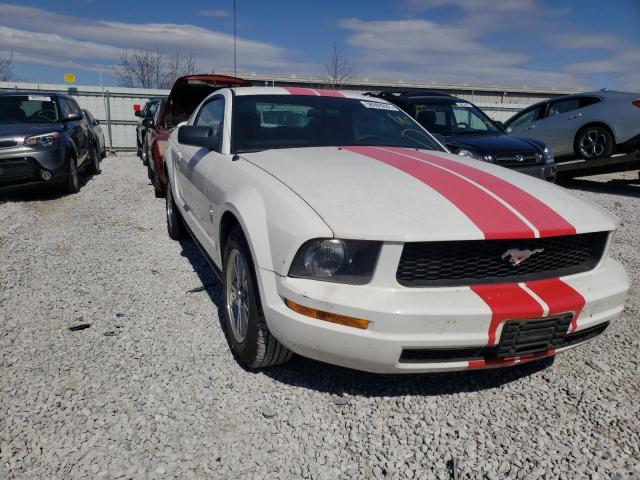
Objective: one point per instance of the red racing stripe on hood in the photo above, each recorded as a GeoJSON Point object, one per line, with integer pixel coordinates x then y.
{"type": "Point", "coordinates": [559, 297]}
{"type": "Point", "coordinates": [494, 219]}
{"type": "Point", "coordinates": [546, 220]}
{"type": "Point", "coordinates": [300, 91]}
{"type": "Point", "coordinates": [314, 92]}
{"type": "Point", "coordinates": [328, 93]}
{"type": "Point", "coordinates": [507, 301]}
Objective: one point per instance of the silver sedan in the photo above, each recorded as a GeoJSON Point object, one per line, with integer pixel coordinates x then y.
{"type": "Point", "coordinates": [587, 125]}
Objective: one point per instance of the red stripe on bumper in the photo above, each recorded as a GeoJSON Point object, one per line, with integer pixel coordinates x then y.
{"type": "Point", "coordinates": [506, 362]}
{"type": "Point", "coordinates": [494, 219]}
{"type": "Point", "coordinates": [545, 219]}
{"type": "Point", "coordinates": [507, 301]}
{"type": "Point", "coordinates": [560, 297]}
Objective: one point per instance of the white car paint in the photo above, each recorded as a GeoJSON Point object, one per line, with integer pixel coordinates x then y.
{"type": "Point", "coordinates": [282, 198]}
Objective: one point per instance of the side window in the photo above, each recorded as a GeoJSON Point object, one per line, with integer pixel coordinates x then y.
{"type": "Point", "coordinates": [69, 106]}
{"type": "Point", "coordinates": [525, 117]}
{"type": "Point", "coordinates": [65, 106]}
{"type": "Point", "coordinates": [586, 101]}
{"type": "Point", "coordinates": [212, 115]}
{"type": "Point", "coordinates": [563, 106]}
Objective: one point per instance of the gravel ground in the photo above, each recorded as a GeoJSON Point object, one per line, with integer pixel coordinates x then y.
{"type": "Point", "coordinates": [150, 390]}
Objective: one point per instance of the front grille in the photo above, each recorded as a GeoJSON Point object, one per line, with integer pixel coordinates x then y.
{"type": "Point", "coordinates": [442, 355]}
{"type": "Point", "coordinates": [8, 143]}
{"type": "Point", "coordinates": [473, 262]}
{"type": "Point", "coordinates": [518, 159]}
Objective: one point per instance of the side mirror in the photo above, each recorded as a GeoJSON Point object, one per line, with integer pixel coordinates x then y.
{"type": "Point", "coordinates": [138, 113]}
{"type": "Point", "coordinates": [198, 136]}
{"type": "Point", "coordinates": [148, 122]}
{"type": "Point", "coordinates": [440, 138]}
{"type": "Point", "coordinates": [500, 125]}
{"type": "Point", "coordinates": [72, 117]}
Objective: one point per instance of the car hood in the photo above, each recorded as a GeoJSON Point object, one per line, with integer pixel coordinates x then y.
{"type": "Point", "coordinates": [395, 194]}
{"type": "Point", "coordinates": [21, 130]}
{"type": "Point", "coordinates": [493, 144]}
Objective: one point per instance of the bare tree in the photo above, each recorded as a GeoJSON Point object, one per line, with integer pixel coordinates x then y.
{"type": "Point", "coordinates": [6, 68]}
{"type": "Point", "coordinates": [142, 68]}
{"type": "Point", "coordinates": [177, 65]}
{"type": "Point", "coordinates": [153, 69]}
{"type": "Point", "coordinates": [338, 68]}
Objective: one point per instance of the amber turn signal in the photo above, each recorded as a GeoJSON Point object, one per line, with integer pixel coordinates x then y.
{"type": "Point", "coordinates": [327, 317]}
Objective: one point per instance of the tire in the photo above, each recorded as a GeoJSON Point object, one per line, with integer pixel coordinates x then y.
{"type": "Point", "coordinates": [144, 155]}
{"type": "Point", "coordinates": [175, 225]}
{"type": "Point", "coordinates": [246, 329]}
{"type": "Point", "coordinates": [594, 142]}
{"type": "Point", "coordinates": [72, 184]}
{"type": "Point", "coordinates": [158, 189]}
{"type": "Point", "coordinates": [93, 168]}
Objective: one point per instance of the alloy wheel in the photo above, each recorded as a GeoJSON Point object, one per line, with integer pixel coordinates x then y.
{"type": "Point", "coordinates": [237, 295]}
{"type": "Point", "coordinates": [593, 143]}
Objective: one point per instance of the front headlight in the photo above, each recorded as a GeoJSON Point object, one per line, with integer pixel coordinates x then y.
{"type": "Point", "coordinates": [548, 156]}
{"type": "Point", "coordinates": [45, 140]}
{"type": "Point", "coordinates": [334, 260]}
{"type": "Point", "coordinates": [467, 153]}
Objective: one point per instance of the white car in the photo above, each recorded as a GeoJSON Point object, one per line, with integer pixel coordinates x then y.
{"type": "Point", "coordinates": [344, 232]}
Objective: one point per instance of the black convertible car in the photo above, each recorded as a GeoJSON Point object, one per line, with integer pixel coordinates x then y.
{"type": "Point", "coordinates": [467, 130]}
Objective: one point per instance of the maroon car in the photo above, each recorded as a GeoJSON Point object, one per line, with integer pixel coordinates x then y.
{"type": "Point", "coordinates": [185, 96]}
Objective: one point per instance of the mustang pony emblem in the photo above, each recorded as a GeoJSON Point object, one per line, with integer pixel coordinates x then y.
{"type": "Point", "coordinates": [516, 256]}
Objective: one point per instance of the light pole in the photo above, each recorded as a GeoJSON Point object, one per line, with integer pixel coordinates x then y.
{"type": "Point", "coordinates": [235, 54]}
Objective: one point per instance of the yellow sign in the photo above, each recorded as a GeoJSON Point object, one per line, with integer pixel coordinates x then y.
{"type": "Point", "coordinates": [70, 77]}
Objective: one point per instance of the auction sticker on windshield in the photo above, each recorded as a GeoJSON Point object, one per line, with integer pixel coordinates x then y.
{"type": "Point", "coordinates": [378, 105]}
{"type": "Point", "coordinates": [39, 98]}
{"type": "Point", "coordinates": [464, 104]}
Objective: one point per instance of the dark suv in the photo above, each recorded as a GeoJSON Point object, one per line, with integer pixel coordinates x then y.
{"type": "Point", "coordinates": [466, 130]}
{"type": "Point", "coordinates": [44, 140]}
{"type": "Point", "coordinates": [148, 111]}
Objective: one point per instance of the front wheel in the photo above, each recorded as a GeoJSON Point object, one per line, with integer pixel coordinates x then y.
{"type": "Point", "coordinates": [247, 332]}
{"type": "Point", "coordinates": [72, 185]}
{"type": "Point", "coordinates": [94, 165]}
{"type": "Point", "coordinates": [594, 142]}
{"type": "Point", "coordinates": [175, 227]}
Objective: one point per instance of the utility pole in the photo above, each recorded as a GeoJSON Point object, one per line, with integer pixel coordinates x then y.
{"type": "Point", "coordinates": [235, 54]}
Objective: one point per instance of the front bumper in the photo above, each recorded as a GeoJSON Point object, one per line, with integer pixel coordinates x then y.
{"type": "Point", "coordinates": [412, 318]}
{"type": "Point", "coordinates": [545, 172]}
{"type": "Point", "coordinates": [22, 167]}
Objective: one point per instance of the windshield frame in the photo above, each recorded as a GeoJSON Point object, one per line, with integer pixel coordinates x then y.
{"type": "Point", "coordinates": [414, 126]}
{"type": "Point", "coordinates": [27, 95]}
{"type": "Point", "coordinates": [441, 101]}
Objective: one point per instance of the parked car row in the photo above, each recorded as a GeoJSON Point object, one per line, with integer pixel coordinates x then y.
{"type": "Point", "coordinates": [162, 115]}
{"type": "Point", "coordinates": [344, 230]}
{"type": "Point", "coordinates": [45, 138]}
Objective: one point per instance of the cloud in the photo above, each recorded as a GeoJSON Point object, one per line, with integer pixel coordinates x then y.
{"type": "Point", "coordinates": [424, 50]}
{"type": "Point", "coordinates": [35, 31]}
{"type": "Point", "coordinates": [214, 13]}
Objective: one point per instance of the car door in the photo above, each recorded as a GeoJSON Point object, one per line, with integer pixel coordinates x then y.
{"type": "Point", "coordinates": [523, 124]}
{"type": "Point", "coordinates": [77, 128]}
{"type": "Point", "coordinates": [194, 163]}
{"type": "Point", "coordinates": [558, 124]}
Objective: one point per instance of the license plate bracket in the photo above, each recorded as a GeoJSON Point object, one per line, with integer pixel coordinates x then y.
{"type": "Point", "coordinates": [523, 337]}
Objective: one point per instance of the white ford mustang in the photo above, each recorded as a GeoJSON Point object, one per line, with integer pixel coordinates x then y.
{"type": "Point", "coordinates": [344, 232]}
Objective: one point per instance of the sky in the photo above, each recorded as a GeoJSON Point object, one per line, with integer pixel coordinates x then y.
{"type": "Point", "coordinates": [534, 43]}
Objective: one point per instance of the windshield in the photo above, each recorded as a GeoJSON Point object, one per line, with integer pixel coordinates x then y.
{"type": "Point", "coordinates": [265, 122]}
{"type": "Point", "coordinates": [28, 109]}
{"type": "Point", "coordinates": [453, 118]}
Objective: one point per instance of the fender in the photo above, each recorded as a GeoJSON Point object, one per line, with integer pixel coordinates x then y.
{"type": "Point", "coordinates": [273, 244]}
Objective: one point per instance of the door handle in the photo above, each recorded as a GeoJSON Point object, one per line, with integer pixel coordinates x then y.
{"type": "Point", "coordinates": [575, 116]}
{"type": "Point", "coordinates": [530, 128]}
